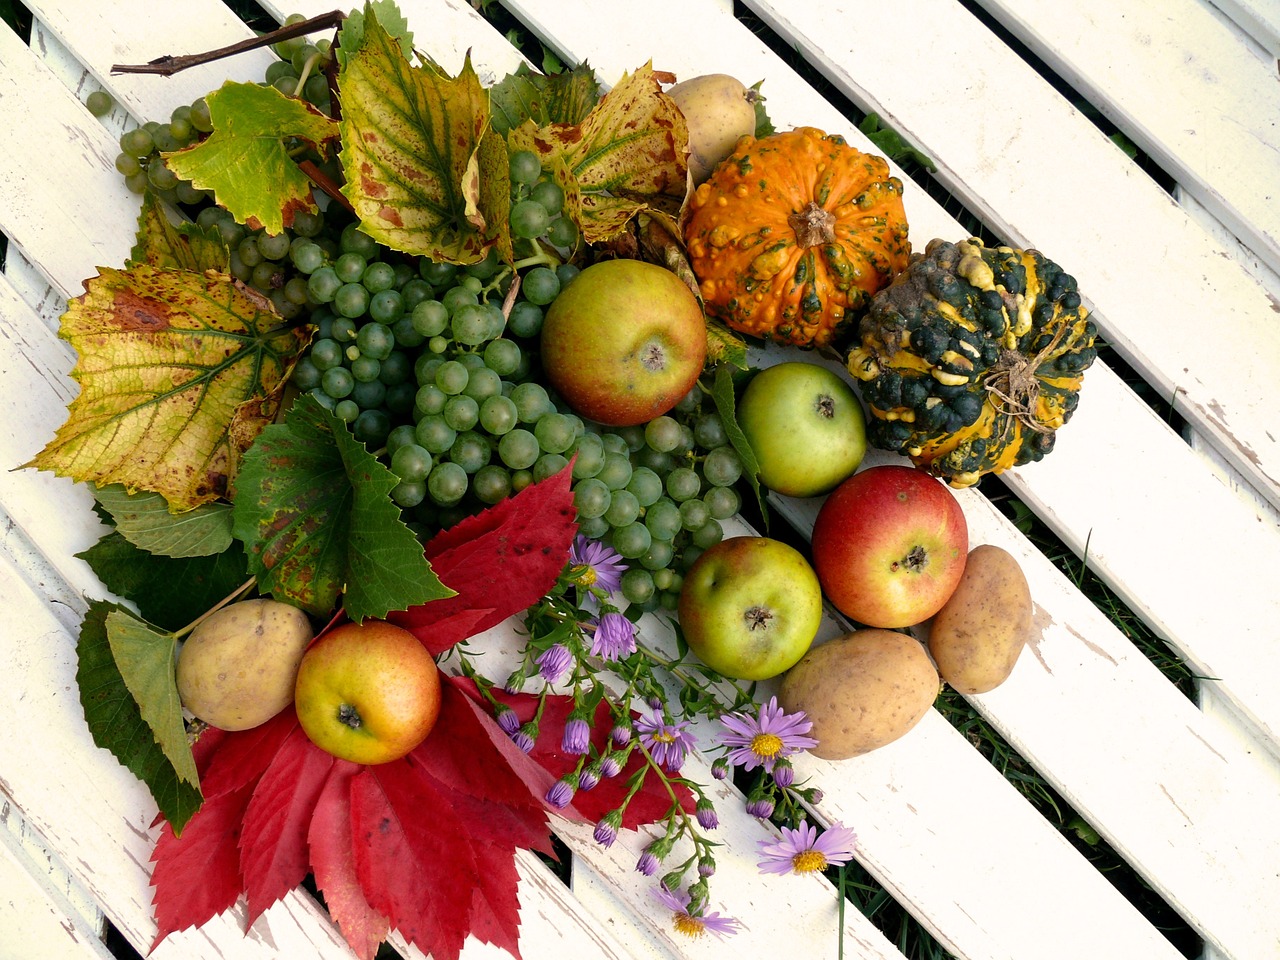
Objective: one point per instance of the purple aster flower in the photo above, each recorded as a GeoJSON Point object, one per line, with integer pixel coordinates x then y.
{"type": "Point", "coordinates": [592, 564]}
{"type": "Point", "coordinates": [554, 663]}
{"type": "Point", "coordinates": [767, 737]}
{"type": "Point", "coordinates": [691, 924]}
{"type": "Point", "coordinates": [577, 736]}
{"type": "Point", "coordinates": [705, 811]}
{"type": "Point", "coordinates": [761, 807]}
{"type": "Point", "coordinates": [614, 638]}
{"type": "Point", "coordinates": [804, 850]}
{"type": "Point", "coordinates": [508, 721]}
{"type": "Point", "coordinates": [669, 743]}
{"type": "Point", "coordinates": [606, 830]}
{"type": "Point", "coordinates": [560, 794]}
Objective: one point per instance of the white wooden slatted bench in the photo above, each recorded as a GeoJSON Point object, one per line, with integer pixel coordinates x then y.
{"type": "Point", "coordinates": [1185, 530]}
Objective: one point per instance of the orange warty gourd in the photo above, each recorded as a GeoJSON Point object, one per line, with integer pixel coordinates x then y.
{"type": "Point", "coordinates": [793, 234]}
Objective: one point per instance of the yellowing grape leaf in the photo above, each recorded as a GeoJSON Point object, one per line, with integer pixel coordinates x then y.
{"type": "Point", "coordinates": [245, 160]}
{"type": "Point", "coordinates": [351, 36]}
{"type": "Point", "coordinates": [560, 98]}
{"type": "Point", "coordinates": [627, 155]}
{"type": "Point", "coordinates": [411, 143]}
{"type": "Point", "coordinates": [180, 246]}
{"type": "Point", "coordinates": [178, 371]}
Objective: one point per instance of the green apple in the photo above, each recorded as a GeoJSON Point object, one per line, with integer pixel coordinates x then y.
{"type": "Point", "coordinates": [367, 692]}
{"type": "Point", "coordinates": [890, 546]}
{"type": "Point", "coordinates": [750, 607]}
{"type": "Point", "coordinates": [623, 342]}
{"type": "Point", "coordinates": [805, 426]}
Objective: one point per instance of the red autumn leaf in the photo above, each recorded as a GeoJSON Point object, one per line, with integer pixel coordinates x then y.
{"type": "Point", "coordinates": [228, 761]}
{"type": "Point", "coordinates": [273, 843]}
{"type": "Point", "coordinates": [500, 561]}
{"type": "Point", "coordinates": [333, 865]}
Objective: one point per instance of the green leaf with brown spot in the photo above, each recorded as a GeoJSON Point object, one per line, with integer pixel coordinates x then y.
{"type": "Point", "coordinates": [412, 140]}
{"type": "Point", "coordinates": [561, 98]}
{"type": "Point", "coordinates": [179, 246]}
{"type": "Point", "coordinates": [245, 161]}
{"type": "Point", "coordinates": [178, 372]}
{"type": "Point", "coordinates": [313, 508]}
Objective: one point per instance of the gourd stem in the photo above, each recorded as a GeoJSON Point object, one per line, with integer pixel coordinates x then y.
{"type": "Point", "coordinates": [813, 225]}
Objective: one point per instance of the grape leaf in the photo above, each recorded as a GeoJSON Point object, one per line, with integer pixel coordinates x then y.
{"type": "Point", "coordinates": [525, 95]}
{"type": "Point", "coordinates": [176, 370]}
{"type": "Point", "coordinates": [499, 561]}
{"type": "Point", "coordinates": [387, 14]}
{"type": "Point", "coordinates": [245, 161]}
{"type": "Point", "coordinates": [312, 507]}
{"type": "Point", "coordinates": [627, 154]}
{"type": "Point", "coordinates": [170, 592]}
{"type": "Point", "coordinates": [146, 660]}
{"type": "Point", "coordinates": [182, 246]}
{"type": "Point", "coordinates": [116, 723]}
{"type": "Point", "coordinates": [145, 521]}
{"type": "Point", "coordinates": [411, 138]}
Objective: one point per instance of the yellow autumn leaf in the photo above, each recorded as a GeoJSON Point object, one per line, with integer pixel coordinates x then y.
{"type": "Point", "coordinates": [178, 372]}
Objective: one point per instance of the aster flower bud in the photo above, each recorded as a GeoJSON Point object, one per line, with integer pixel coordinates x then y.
{"type": "Point", "coordinates": [760, 804]}
{"type": "Point", "coordinates": [706, 814]}
{"type": "Point", "coordinates": [784, 774]}
{"type": "Point", "coordinates": [647, 864]}
{"type": "Point", "coordinates": [706, 866]}
{"type": "Point", "coordinates": [607, 828]}
{"type": "Point", "coordinates": [590, 776]}
{"type": "Point", "coordinates": [515, 682]}
{"type": "Point", "coordinates": [720, 768]}
{"type": "Point", "coordinates": [507, 719]}
{"type": "Point", "coordinates": [577, 736]}
{"type": "Point", "coordinates": [612, 765]}
{"type": "Point", "coordinates": [621, 733]}
{"type": "Point", "coordinates": [561, 791]}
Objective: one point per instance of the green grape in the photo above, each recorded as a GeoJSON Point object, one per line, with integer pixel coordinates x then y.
{"type": "Point", "coordinates": [307, 224]}
{"type": "Point", "coordinates": [99, 103]}
{"type": "Point", "coordinates": [495, 321]}
{"type": "Point", "coordinates": [375, 340]}
{"type": "Point", "coordinates": [188, 194]}
{"type": "Point", "coordinates": [434, 434]}
{"type": "Point", "coordinates": [351, 300]}
{"type": "Point", "coordinates": [637, 585]}
{"type": "Point", "coordinates": [439, 275]}
{"type": "Point", "coordinates": [591, 497]}
{"type": "Point", "coordinates": [429, 400]}
{"type": "Point", "coordinates": [645, 485]}
{"type": "Point", "coordinates": [137, 142]}
{"type": "Point", "coordinates": [456, 297]}
{"type": "Point", "coordinates": [452, 377]}
{"type": "Point", "coordinates": [284, 306]}
{"type": "Point", "coordinates": [528, 219]}
{"type": "Point", "coordinates": [532, 401]}
{"type": "Point", "coordinates": [326, 353]}
{"type": "Point", "coordinates": [346, 410]}
{"type": "Point", "coordinates": [447, 483]}
{"type": "Point", "coordinates": [521, 479]}
{"type": "Point", "coordinates": [127, 165]}
{"type": "Point", "coordinates": [518, 449]}
{"type": "Point", "coordinates": [439, 344]}
{"type": "Point", "coordinates": [250, 255]}
{"type": "Point", "coordinates": [471, 451]}
{"type": "Point", "coordinates": [160, 176]}
{"type": "Point", "coordinates": [386, 306]}
{"type": "Point", "coordinates": [588, 450]}
{"type": "Point", "coordinates": [411, 462]}
{"type": "Point", "coordinates": [555, 432]}
{"type": "Point", "coordinates": [624, 509]}
{"type": "Point", "coordinates": [632, 540]}
{"type": "Point", "coordinates": [683, 483]}
{"type": "Point", "coordinates": [562, 232]}
{"type": "Point", "coordinates": [350, 267]}
{"type": "Point", "coordinates": [662, 434]}
{"type": "Point", "coordinates": [722, 466]}
{"type": "Point", "coordinates": [540, 285]}
{"type": "Point", "coordinates": [365, 369]}
{"type": "Point", "coordinates": [323, 398]}
{"type": "Point", "coordinates": [502, 356]}
{"type": "Point", "coordinates": [307, 257]}
{"type": "Point", "coordinates": [399, 437]}
{"type": "Point", "coordinates": [525, 167]}
{"type": "Point", "coordinates": [425, 367]}
{"type": "Point", "coordinates": [355, 240]}
{"type": "Point", "coordinates": [415, 291]}
{"type": "Point", "coordinates": [491, 484]}
{"type": "Point", "coordinates": [235, 265]}
{"type": "Point", "coordinates": [405, 334]}
{"type": "Point", "coordinates": [663, 520]}
{"type": "Point", "coordinates": [199, 115]}
{"type": "Point", "coordinates": [316, 91]}
{"type": "Point", "coordinates": [484, 269]}
{"type": "Point", "coordinates": [723, 502]}
{"type": "Point", "coordinates": [614, 442]}
{"type": "Point", "coordinates": [409, 493]}
{"type": "Point", "coordinates": [469, 324]}
{"type": "Point", "coordinates": [708, 431]}
{"type": "Point", "coordinates": [396, 367]}
{"type": "Point", "coordinates": [483, 384]}
{"type": "Point", "coordinates": [282, 67]}
{"type": "Point", "coordinates": [267, 276]}
{"type": "Point", "coordinates": [658, 557]}
{"type": "Point", "coordinates": [663, 575]}
{"type": "Point", "coordinates": [371, 428]}
{"type": "Point", "coordinates": [461, 412]}
{"type": "Point", "coordinates": [399, 398]}
{"type": "Point", "coordinates": [472, 361]}
{"type": "Point", "coordinates": [430, 318]}
{"type": "Point", "coordinates": [708, 535]}
{"type": "Point", "coordinates": [548, 465]}
{"type": "Point", "coordinates": [616, 472]}
{"type": "Point", "coordinates": [593, 527]}
{"type": "Point", "coordinates": [378, 276]}
{"type": "Point", "coordinates": [323, 285]}
{"type": "Point", "coordinates": [693, 514]}
{"type": "Point", "coordinates": [370, 395]}
{"type": "Point", "coordinates": [525, 319]}
{"type": "Point", "coordinates": [274, 247]}
{"type": "Point", "coordinates": [549, 194]}
{"type": "Point", "coordinates": [498, 415]}
{"type": "Point", "coordinates": [306, 375]}
{"type": "Point", "coordinates": [343, 329]}
{"type": "Point", "coordinates": [566, 272]}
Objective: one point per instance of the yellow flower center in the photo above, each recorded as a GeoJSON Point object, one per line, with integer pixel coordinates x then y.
{"type": "Point", "coordinates": [689, 926]}
{"type": "Point", "coordinates": [808, 861]}
{"type": "Point", "coordinates": [584, 575]}
{"type": "Point", "coordinates": [664, 736]}
{"type": "Point", "coordinates": [766, 745]}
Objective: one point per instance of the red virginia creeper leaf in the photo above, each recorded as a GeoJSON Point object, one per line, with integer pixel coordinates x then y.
{"type": "Point", "coordinates": [495, 902]}
{"type": "Point", "coordinates": [333, 864]}
{"type": "Point", "coordinates": [229, 761]}
{"type": "Point", "coordinates": [413, 857]}
{"type": "Point", "coordinates": [273, 840]}
{"type": "Point", "coordinates": [500, 561]}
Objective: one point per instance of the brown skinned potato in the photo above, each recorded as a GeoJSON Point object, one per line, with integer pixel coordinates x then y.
{"type": "Point", "coordinates": [719, 111]}
{"type": "Point", "coordinates": [862, 691]}
{"type": "Point", "coordinates": [976, 637]}
{"type": "Point", "coordinates": [237, 668]}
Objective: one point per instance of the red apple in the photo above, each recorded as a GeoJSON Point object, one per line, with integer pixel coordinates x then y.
{"type": "Point", "coordinates": [367, 692]}
{"type": "Point", "coordinates": [889, 546]}
{"type": "Point", "coordinates": [623, 342]}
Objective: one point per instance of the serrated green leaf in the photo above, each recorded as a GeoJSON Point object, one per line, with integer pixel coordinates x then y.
{"type": "Point", "coordinates": [889, 142]}
{"type": "Point", "coordinates": [181, 246]}
{"type": "Point", "coordinates": [525, 95]}
{"type": "Point", "coordinates": [144, 520]}
{"type": "Point", "coordinates": [387, 14]}
{"type": "Point", "coordinates": [147, 660]}
{"type": "Point", "coordinates": [170, 592]}
{"type": "Point", "coordinates": [245, 161]}
{"type": "Point", "coordinates": [116, 724]}
{"type": "Point", "coordinates": [764, 125]}
{"type": "Point", "coordinates": [725, 346]}
{"type": "Point", "coordinates": [723, 393]}
{"type": "Point", "coordinates": [411, 137]}
{"type": "Point", "coordinates": [312, 507]}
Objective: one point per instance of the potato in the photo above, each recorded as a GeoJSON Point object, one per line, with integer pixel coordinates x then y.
{"type": "Point", "coordinates": [861, 691]}
{"type": "Point", "coordinates": [976, 637]}
{"type": "Point", "coordinates": [719, 111]}
{"type": "Point", "coordinates": [236, 669]}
